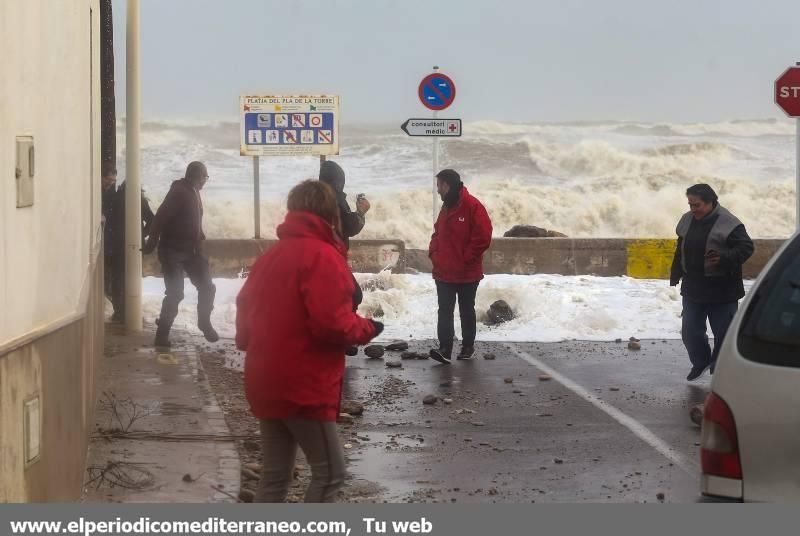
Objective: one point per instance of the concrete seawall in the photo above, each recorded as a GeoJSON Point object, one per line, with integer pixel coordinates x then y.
{"type": "Point", "coordinates": [647, 258]}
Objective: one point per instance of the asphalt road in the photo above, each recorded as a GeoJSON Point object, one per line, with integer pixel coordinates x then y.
{"type": "Point", "coordinates": [607, 424]}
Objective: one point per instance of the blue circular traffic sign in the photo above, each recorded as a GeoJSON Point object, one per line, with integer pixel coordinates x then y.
{"type": "Point", "coordinates": [437, 91]}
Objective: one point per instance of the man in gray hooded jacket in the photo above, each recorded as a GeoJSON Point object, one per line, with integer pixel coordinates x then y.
{"type": "Point", "coordinates": [712, 247]}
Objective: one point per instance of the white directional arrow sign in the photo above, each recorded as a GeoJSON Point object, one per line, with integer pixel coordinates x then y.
{"type": "Point", "coordinates": [432, 127]}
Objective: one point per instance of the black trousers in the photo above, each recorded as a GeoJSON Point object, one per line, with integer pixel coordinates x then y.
{"type": "Point", "coordinates": [447, 294]}
{"type": "Point", "coordinates": [173, 265]}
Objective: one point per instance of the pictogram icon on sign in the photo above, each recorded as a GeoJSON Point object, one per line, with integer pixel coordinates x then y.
{"type": "Point", "coordinates": [281, 120]}
{"type": "Point", "coordinates": [298, 121]}
{"type": "Point", "coordinates": [289, 136]}
{"type": "Point", "coordinates": [254, 137]}
{"type": "Point", "coordinates": [306, 136]}
{"type": "Point", "coordinates": [437, 91]}
{"type": "Point", "coordinates": [315, 120]}
{"type": "Point", "coordinates": [264, 121]}
{"type": "Point", "coordinates": [272, 136]}
{"type": "Point", "coordinates": [325, 136]}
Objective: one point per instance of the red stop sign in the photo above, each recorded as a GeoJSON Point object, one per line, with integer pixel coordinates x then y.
{"type": "Point", "coordinates": [787, 91]}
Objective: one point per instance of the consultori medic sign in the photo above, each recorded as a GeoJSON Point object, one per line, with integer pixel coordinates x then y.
{"type": "Point", "coordinates": [787, 91]}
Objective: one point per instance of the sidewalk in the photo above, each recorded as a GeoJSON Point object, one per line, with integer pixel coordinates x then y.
{"type": "Point", "coordinates": [160, 436]}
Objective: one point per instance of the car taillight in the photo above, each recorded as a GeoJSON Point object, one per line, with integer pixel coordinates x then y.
{"type": "Point", "coordinates": [719, 444]}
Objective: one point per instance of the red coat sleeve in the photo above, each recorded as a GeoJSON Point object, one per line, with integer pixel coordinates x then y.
{"type": "Point", "coordinates": [481, 235]}
{"type": "Point", "coordinates": [327, 292]}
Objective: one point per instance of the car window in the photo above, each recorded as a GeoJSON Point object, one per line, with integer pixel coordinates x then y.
{"type": "Point", "coordinates": [770, 330]}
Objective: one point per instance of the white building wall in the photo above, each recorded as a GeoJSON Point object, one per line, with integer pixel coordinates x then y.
{"type": "Point", "coordinates": [48, 90]}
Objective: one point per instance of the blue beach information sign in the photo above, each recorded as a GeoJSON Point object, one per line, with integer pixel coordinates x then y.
{"type": "Point", "coordinates": [289, 125]}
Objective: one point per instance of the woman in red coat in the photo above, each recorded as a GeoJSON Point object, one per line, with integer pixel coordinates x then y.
{"type": "Point", "coordinates": [294, 319]}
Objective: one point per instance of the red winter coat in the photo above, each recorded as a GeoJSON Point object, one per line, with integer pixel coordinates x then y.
{"type": "Point", "coordinates": [294, 318]}
{"type": "Point", "coordinates": [460, 237]}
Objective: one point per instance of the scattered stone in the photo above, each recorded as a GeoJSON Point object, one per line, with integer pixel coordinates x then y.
{"type": "Point", "coordinates": [447, 400]}
{"type": "Point", "coordinates": [348, 446]}
{"type": "Point", "coordinates": [634, 345]}
{"type": "Point", "coordinates": [374, 351]}
{"type": "Point", "coordinates": [633, 339]}
{"type": "Point", "coordinates": [558, 461]}
{"type": "Point", "coordinates": [478, 423]}
{"type": "Point", "coordinates": [545, 377]}
{"type": "Point", "coordinates": [394, 364]}
{"type": "Point", "coordinates": [345, 418]}
{"type": "Point", "coordinates": [249, 475]}
{"type": "Point", "coordinates": [489, 357]}
{"type": "Point", "coordinates": [423, 356]}
{"type": "Point", "coordinates": [613, 388]}
{"type": "Point", "coordinates": [516, 391]}
{"type": "Point", "coordinates": [247, 495]}
{"type": "Point", "coordinates": [188, 478]}
{"type": "Point", "coordinates": [446, 384]}
{"type": "Point", "coordinates": [255, 467]}
{"type": "Point", "coordinates": [413, 355]}
{"type": "Point", "coordinates": [531, 231]}
{"type": "Point", "coordinates": [696, 414]}
{"type": "Point", "coordinates": [499, 312]}
{"type": "Point", "coordinates": [660, 496]}
{"type": "Point", "coordinates": [430, 399]}
{"type": "Point", "coordinates": [544, 414]}
{"type": "Point", "coordinates": [352, 407]}
{"type": "Point", "coordinates": [618, 340]}
{"type": "Point", "coordinates": [508, 380]}
{"type": "Point", "coordinates": [397, 346]}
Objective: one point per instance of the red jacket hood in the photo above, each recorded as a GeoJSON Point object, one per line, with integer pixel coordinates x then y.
{"type": "Point", "coordinates": [307, 225]}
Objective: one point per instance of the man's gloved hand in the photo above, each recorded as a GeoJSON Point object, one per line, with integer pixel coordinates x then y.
{"type": "Point", "coordinates": [149, 245]}
{"type": "Point", "coordinates": [378, 328]}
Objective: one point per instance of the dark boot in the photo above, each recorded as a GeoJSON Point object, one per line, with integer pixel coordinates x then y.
{"type": "Point", "coordinates": [162, 334]}
{"type": "Point", "coordinates": [205, 304]}
{"type": "Point", "coordinates": [466, 353]}
{"type": "Point", "coordinates": [442, 355]}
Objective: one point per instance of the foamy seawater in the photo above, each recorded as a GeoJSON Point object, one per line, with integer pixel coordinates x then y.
{"type": "Point", "coordinates": [611, 179]}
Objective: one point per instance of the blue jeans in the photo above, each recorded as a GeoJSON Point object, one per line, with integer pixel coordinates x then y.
{"type": "Point", "coordinates": [693, 329]}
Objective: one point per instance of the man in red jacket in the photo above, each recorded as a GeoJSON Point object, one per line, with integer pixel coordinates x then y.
{"type": "Point", "coordinates": [463, 232]}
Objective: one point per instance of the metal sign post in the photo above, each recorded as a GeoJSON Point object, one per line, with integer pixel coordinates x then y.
{"type": "Point", "coordinates": [787, 96]}
{"type": "Point", "coordinates": [435, 171]}
{"type": "Point", "coordinates": [256, 198]}
{"type": "Point", "coordinates": [436, 92]}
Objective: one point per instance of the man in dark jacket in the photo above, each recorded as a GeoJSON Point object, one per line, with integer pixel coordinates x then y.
{"type": "Point", "coordinates": [712, 247]}
{"type": "Point", "coordinates": [461, 235]}
{"type": "Point", "coordinates": [117, 248]}
{"type": "Point", "coordinates": [351, 222]}
{"type": "Point", "coordinates": [109, 187]}
{"type": "Point", "coordinates": [177, 230]}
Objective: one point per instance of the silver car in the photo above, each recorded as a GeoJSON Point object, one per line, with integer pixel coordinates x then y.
{"type": "Point", "coordinates": [750, 446]}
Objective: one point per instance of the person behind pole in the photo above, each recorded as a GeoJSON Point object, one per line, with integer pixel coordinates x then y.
{"type": "Point", "coordinates": [294, 319]}
{"type": "Point", "coordinates": [108, 184]}
{"type": "Point", "coordinates": [117, 247]}
{"type": "Point", "coordinates": [461, 235]}
{"type": "Point", "coordinates": [177, 230]}
{"type": "Point", "coordinates": [352, 223]}
{"type": "Point", "coordinates": [712, 247]}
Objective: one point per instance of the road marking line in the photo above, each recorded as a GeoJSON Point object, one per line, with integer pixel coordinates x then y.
{"type": "Point", "coordinates": [636, 428]}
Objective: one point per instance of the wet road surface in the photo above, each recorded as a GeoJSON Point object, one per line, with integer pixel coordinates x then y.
{"type": "Point", "coordinates": [604, 424]}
